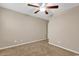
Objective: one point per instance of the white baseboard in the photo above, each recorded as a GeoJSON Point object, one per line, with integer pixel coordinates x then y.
{"type": "Point", "coordinates": [20, 44]}
{"type": "Point", "coordinates": [64, 48]}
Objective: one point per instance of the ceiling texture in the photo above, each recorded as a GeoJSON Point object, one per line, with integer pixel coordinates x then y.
{"type": "Point", "coordinates": [23, 8]}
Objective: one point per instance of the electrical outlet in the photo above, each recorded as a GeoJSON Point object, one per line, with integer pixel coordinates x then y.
{"type": "Point", "coordinates": [15, 41]}
{"type": "Point", "coordinates": [21, 40]}
{"type": "Point", "coordinates": [59, 42]}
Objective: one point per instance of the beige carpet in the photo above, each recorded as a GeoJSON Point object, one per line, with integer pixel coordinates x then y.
{"type": "Point", "coordinates": [41, 48]}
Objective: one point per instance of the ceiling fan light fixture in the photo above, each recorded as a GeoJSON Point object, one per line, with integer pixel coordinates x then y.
{"type": "Point", "coordinates": [42, 9]}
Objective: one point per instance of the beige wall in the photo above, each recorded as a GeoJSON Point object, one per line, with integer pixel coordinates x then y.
{"type": "Point", "coordinates": [16, 28]}
{"type": "Point", "coordinates": [63, 29]}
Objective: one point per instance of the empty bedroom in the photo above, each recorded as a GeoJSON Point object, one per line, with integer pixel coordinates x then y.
{"type": "Point", "coordinates": [39, 29]}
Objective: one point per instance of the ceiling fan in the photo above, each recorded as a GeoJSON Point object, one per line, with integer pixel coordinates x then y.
{"type": "Point", "coordinates": [43, 7]}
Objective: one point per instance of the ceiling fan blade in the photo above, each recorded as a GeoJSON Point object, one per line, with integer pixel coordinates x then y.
{"type": "Point", "coordinates": [36, 11]}
{"type": "Point", "coordinates": [32, 5]}
{"type": "Point", "coordinates": [50, 7]}
{"type": "Point", "coordinates": [46, 12]}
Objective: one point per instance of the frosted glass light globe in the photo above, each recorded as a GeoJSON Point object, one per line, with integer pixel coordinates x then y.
{"type": "Point", "coordinates": [42, 9]}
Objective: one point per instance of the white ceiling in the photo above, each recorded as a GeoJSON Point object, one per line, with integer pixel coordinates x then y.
{"type": "Point", "coordinates": [23, 8]}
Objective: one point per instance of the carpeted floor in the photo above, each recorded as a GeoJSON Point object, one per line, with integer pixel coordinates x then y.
{"type": "Point", "coordinates": [41, 48]}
